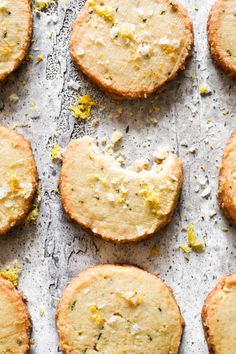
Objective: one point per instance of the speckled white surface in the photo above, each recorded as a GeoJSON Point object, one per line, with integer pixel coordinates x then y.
{"type": "Point", "coordinates": [54, 250]}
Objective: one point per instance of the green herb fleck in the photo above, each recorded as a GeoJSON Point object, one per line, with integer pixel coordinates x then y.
{"type": "Point", "coordinates": [72, 305]}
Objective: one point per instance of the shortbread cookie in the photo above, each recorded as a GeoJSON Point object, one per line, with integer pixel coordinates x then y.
{"type": "Point", "coordinates": [116, 203]}
{"type": "Point", "coordinates": [131, 48]}
{"type": "Point", "coordinates": [15, 34]}
{"type": "Point", "coordinates": [114, 309]}
{"type": "Point", "coordinates": [219, 317]}
{"type": "Point", "coordinates": [15, 322]}
{"type": "Point", "coordinates": [222, 34]}
{"type": "Point", "coordinates": [227, 181]}
{"type": "Point", "coordinates": [18, 178]}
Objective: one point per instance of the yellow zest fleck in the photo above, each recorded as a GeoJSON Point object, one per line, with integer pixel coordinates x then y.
{"type": "Point", "coordinates": [41, 312]}
{"type": "Point", "coordinates": [195, 245]}
{"type": "Point", "coordinates": [32, 216]}
{"type": "Point", "coordinates": [83, 109]}
{"type": "Point", "coordinates": [224, 229]}
{"type": "Point", "coordinates": [204, 90]}
{"type": "Point", "coordinates": [168, 49]}
{"type": "Point", "coordinates": [34, 106]}
{"type": "Point", "coordinates": [96, 316]}
{"type": "Point", "coordinates": [185, 248]}
{"type": "Point", "coordinates": [121, 200]}
{"type": "Point", "coordinates": [14, 183]}
{"type": "Point", "coordinates": [151, 197]}
{"type": "Point", "coordinates": [39, 58]}
{"type": "Point", "coordinates": [127, 34]}
{"type": "Point", "coordinates": [42, 5]}
{"type": "Point", "coordinates": [105, 12]}
{"type": "Point", "coordinates": [56, 152]}
{"type": "Point", "coordinates": [12, 273]}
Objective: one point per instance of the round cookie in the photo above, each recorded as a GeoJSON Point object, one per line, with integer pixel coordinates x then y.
{"type": "Point", "coordinates": [15, 34]}
{"type": "Point", "coordinates": [117, 204]}
{"type": "Point", "coordinates": [227, 181]}
{"type": "Point", "coordinates": [114, 309]}
{"type": "Point", "coordinates": [18, 182]}
{"type": "Point", "coordinates": [130, 49]}
{"type": "Point", "coordinates": [219, 317]}
{"type": "Point", "coordinates": [15, 321]}
{"type": "Point", "coordinates": [222, 35]}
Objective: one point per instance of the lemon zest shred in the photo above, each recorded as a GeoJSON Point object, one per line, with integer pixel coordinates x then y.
{"type": "Point", "coordinates": [14, 183]}
{"type": "Point", "coordinates": [204, 90]}
{"type": "Point", "coordinates": [151, 197]}
{"type": "Point", "coordinates": [193, 244]}
{"type": "Point", "coordinates": [106, 12]}
{"type": "Point", "coordinates": [33, 214]}
{"type": "Point", "coordinates": [197, 246]}
{"type": "Point", "coordinates": [56, 152]}
{"type": "Point", "coordinates": [12, 273]}
{"type": "Point", "coordinates": [39, 58]}
{"type": "Point", "coordinates": [83, 109]}
{"type": "Point", "coordinates": [34, 106]}
{"type": "Point", "coordinates": [185, 248]}
{"type": "Point", "coordinates": [127, 34]}
{"type": "Point", "coordinates": [42, 5]}
{"type": "Point", "coordinates": [95, 315]}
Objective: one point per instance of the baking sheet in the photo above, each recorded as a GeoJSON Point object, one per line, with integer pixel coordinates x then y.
{"type": "Point", "coordinates": [196, 128]}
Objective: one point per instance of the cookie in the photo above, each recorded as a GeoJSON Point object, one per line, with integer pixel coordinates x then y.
{"type": "Point", "coordinates": [15, 34]}
{"type": "Point", "coordinates": [219, 317]}
{"type": "Point", "coordinates": [117, 204]}
{"type": "Point", "coordinates": [221, 35]}
{"type": "Point", "coordinates": [130, 49]}
{"type": "Point", "coordinates": [15, 321]}
{"type": "Point", "coordinates": [227, 182]}
{"type": "Point", "coordinates": [118, 309]}
{"type": "Point", "coordinates": [18, 182]}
